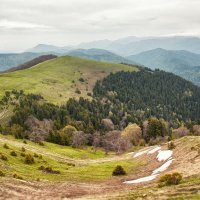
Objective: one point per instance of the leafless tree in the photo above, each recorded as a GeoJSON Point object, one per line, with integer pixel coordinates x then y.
{"type": "Point", "coordinates": [79, 139]}
{"type": "Point", "coordinates": [96, 140]}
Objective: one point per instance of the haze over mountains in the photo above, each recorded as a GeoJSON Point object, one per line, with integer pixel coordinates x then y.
{"type": "Point", "coordinates": [177, 54]}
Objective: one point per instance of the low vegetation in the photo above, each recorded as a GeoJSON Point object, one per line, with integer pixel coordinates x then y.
{"type": "Point", "coordinates": [170, 179]}
{"type": "Point", "coordinates": [118, 171]}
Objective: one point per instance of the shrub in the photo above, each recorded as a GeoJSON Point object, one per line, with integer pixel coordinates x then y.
{"type": "Point", "coordinates": [3, 157]}
{"type": "Point", "coordinates": [5, 146]}
{"type": "Point", "coordinates": [29, 159]}
{"type": "Point", "coordinates": [118, 171]}
{"type": "Point", "coordinates": [78, 91]}
{"type": "Point", "coordinates": [23, 154]}
{"type": "Point", "coordinates": [23, 149]}
{"type": "Point", "coordinates": [81, 79]}
{"type": "Point", "coordinates": [1, 173]}
{"type": "Point", "coordinates": [89, 94]}
{"type": "Point", "coordinates": [170, 179]}
{"type": "Point", "coordinates": [17, 176]}
{"type": "Point", "coordinates": [13, 153]}
{"type": "Point", "coordinates": [48, 170]}
{"type": "Point", "coordinates": [142, 142]}
{"type": "Point", "coordinates": [41, 143]}
{"type": "Point", "coordinates": [171, 145]}
{"type": "Point", "coordinates": [35, 155]}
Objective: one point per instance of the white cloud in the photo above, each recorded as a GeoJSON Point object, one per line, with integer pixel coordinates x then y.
{"type": "Point", "coordinates": [4, 23]}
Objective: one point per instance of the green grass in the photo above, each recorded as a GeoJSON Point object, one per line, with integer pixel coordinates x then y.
{"type": "Point", "coordinates": [80, 172]}
{"type": "Point", "coordinates": [58, 79]}
{"type": "Point", "coordinates": [86, 153]}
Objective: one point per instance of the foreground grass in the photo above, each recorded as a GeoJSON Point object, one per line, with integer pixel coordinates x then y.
{"type": "Point", "coordinates": [68, 172]}
{"type": "Point", "coordinates": [86, 153]}
{"type": "Point", "coordinates": [57, 80]}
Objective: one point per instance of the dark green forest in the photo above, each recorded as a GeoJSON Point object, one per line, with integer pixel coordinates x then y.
{"type": "Point", "coordinates": [149, 93]}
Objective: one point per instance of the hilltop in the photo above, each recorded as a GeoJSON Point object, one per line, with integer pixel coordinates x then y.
{"type": "Point", "coordinates": [61, 78]}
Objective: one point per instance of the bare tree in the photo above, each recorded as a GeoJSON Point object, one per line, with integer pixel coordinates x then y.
{"type": "Point", "coordinates": [196, 129]}
{"type": "Point", "coordinates": [79, 139]}
{"type": "Point", "coordinates": [180, 132]}
{"type": "Point", "coordinates": [96, 140]}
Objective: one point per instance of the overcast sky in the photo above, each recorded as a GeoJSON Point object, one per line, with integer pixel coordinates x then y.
{"type": "Point", "coordinates": [25, 23]}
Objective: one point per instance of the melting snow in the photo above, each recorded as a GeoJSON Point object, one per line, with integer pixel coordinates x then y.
{"type": "Point", "coordinates": [154, 150]}
{"type": "Point", "coordinates": [163, 167]}
{"type": "Point", "coordinates": [144, 179]}
{"type": "Point", "coordinates": [140, 153]}
{"type": "Point", "coordinates": [164, 155]}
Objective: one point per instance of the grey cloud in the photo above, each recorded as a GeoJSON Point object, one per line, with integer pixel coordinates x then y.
{"type": "Point", "coordinates": [24, 23]}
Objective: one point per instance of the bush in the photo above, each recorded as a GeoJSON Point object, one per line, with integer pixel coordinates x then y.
{"type": "Point", "coordinates": [81, 79]}
{"type": "Point", "coordinates": [13, 153]}
{"type": "Point", "coordinates": [35, 155]}
{"type": "Point", "coordinates": [142, 142]}
{"type": "Point", "coordinates": [171, 145]}
{"type": "Point", "coordinates": [89, 94]}
{"type": "Point", "coordinates": [29, 159]}
{"type": "Point", "coordinates": [23, 154]}
{"type": "Point", "coordinates": [48, 170]}
{"type": "Point", "coordinates": [118, 171]}
{"type": "Point", "coordinates": [5, 146]}
{"type": "Point", "coordinates": [41, 143]}
{"type": "Point", "coordinates": [3, 157]}
{"type": "Point", "coordinates": [170, 179]}
{"type": "Point", "coordinates": [17, 176]}
{"type": "Point", "coordinates": [23, 149]}
{"type": "Point", "coordinates": [1, 173]}
{"type": "Point", "coordinates": [78, 91]}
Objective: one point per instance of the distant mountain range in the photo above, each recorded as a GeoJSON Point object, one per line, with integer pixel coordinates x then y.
{"type": "Point", "coordinates": [8, 61]}
{"type": "Point", "coordinates": [100, 55]}
{"type": "Point", "coordinates": [182, 63]}
{"type": "Point", "coordinates": [167, 60]}
{"type": "Point", "coordinates": [134, 45]}
{"type": "Point", "coordinates": [129, 46]}
{"type": "Point", "coordinates": [180, 55]}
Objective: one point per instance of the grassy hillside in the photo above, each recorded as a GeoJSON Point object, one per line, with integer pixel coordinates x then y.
{"type": "Point", "coordinates": [73, 164]}
{"type": "Point", "coordinates": [58, 79]}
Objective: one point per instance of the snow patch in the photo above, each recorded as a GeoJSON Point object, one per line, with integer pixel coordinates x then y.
{"type": "Point", "coordinates": [154, 150]}
{"type": "Point", "coordinates": [163, 167]}
{"type": "Point", "coordinates": [144, 179]}
{"type": "Point", "coordinates": [164, 155]}
{"type": "Point", "coordinates": [141, 152]}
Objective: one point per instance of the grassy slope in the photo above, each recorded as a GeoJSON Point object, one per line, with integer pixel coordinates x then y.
{"type": "Point", "coordinates": [82, 171]}
{"type": "Point", "coordinates": [53, 79]}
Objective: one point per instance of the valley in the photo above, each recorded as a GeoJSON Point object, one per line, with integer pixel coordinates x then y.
{"type": "Point", "coordinates": [78, 181]}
